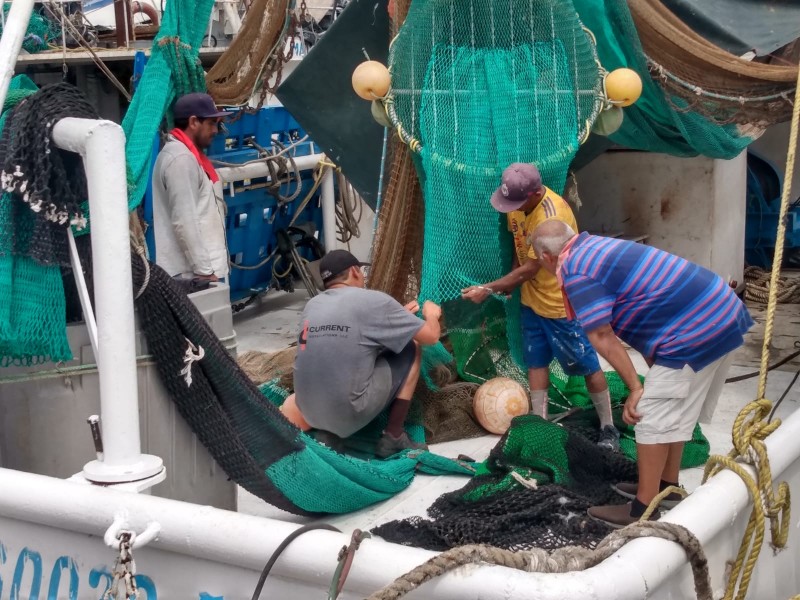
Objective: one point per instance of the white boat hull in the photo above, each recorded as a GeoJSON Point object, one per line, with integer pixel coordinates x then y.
{"type": "Point", "coordinates": [52, 536]}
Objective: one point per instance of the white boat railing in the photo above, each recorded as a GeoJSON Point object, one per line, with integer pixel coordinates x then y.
{"type": "Point", "coordinates": [201, 550]}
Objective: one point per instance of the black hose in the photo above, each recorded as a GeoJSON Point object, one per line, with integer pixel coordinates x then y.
{"type": "Point", "coordinates": [279, 550]}
{"type": "Point", "coordinates": [785, 393]}
{"type": "Point", "coordinates": [770, 368]}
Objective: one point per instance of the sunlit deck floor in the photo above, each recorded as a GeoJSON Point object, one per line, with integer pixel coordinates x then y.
{"type": "Point", "coordinates": [271, 325]}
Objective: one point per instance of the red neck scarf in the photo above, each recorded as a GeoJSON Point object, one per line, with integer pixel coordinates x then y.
{"type": "Point", "coordinates": [205, 163]}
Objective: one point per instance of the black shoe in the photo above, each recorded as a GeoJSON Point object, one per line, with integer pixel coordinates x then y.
{"type": "Point", "coordinates": [629, 490]}
{"type": "Point", "coordinates": [389, 445]}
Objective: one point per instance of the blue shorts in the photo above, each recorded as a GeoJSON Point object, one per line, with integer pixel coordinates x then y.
{"type": "Point", "coordinates": [544, 339]}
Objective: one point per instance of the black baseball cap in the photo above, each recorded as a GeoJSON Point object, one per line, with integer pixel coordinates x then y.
{"type": "Point", "coordinates": [197, 105]}
{"type": "Point", "coordinates": [337, 261]}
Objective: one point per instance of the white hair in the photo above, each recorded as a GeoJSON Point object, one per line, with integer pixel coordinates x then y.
{"type": "Point", "coordinates": [551, 236]}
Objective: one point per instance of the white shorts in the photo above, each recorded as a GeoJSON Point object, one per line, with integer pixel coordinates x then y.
{"type": "Point", "coordinates": [674, 400]}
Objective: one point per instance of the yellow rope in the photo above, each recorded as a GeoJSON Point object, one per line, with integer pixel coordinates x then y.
{"type": "Point", "coordinates": [751, 428]}
{"type": "Point", "coordinates": [654, 503]}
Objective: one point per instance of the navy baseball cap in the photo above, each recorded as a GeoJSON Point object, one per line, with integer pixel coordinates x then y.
{"type": "Point", "coordinates": [520, 181]}
{"type": "Point", "coordinates": [197, 105]}
{"type": "Point", "coordinates": [337, 261]}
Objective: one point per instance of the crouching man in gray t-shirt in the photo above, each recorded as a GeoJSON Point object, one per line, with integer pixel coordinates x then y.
{"type": "Point", "coordinates": [359, 352]}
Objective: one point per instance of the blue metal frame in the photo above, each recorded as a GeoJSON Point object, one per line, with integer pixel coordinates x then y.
{"type": "Point", "coordinates": [254, 215]}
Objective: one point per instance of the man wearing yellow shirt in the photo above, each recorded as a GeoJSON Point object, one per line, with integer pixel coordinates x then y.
{"type": "Point", "coordinates": [546, 331]}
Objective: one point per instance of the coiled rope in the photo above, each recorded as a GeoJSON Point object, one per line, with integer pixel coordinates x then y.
{"type": "Point", "coordinates": [563, 560]}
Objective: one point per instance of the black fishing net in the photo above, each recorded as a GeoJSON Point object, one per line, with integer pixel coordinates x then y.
{"type": "Point", "coordinates": [532, 492]}
{"type": "Point", "coordinates": [49, 181]}
{"type": "Point", "coordinates": [243, 431]}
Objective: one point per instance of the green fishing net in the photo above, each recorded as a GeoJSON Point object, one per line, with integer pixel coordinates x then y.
{"type": "Point", "coordinates": [173, 69]}
{"type": "Point", "coordinates": [41, 31]}
{"type": "Point", "coordinates": [32, 303]}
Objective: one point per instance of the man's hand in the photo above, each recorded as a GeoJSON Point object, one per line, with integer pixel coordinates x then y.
{"type": "Point", "coordinates": [211, 277]}
{"type": "Point", "coordinates": [476, 293]}
{"type": "Point", "coordinates": [629, 414]}
{"type": "Point", "coordinates": [412, 307]}
{"type": "Point", "coordinates": [431, 311]}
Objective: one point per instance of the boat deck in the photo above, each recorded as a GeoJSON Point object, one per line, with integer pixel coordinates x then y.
{"type": "Point", "coordinates": [271, 323]}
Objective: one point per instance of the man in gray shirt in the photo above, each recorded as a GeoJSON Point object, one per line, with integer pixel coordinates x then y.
{"type": "Point", "coordinates": [359, 353]}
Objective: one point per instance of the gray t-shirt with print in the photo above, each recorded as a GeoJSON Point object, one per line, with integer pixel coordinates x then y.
{"type": "Point", "coordinates": [340, 380]}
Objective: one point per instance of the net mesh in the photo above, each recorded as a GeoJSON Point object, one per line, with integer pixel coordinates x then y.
{"type": "Point", "coordinates": [41, 31]}
{"type": "Point", "coordinates": [707, 79]}
{"type": "Point", "coordinates": [33, 305]}
{"type": "Point", "coordinates": [532, 491]}
{"type": "Point", "coordinates": [173, 69]}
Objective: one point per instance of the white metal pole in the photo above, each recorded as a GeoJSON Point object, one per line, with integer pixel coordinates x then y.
{"type": "Point", "coordinates": [328, 202]}
{"type": "Point", "coordinates": [16, 26]}
{"type": "Point", "coordinates": [83, 294]}
{"type": "Point", "coordinates": [102, 146]}
{"type": "Point", "coordinates": [260, 169]}
{"type": "Point", "coordinates": [232, 16]}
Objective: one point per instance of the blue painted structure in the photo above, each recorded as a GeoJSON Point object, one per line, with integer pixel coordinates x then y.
{"type": "Point", "coordinates": [764, 188]}
{"type": "Point", "coordinates": [255, 212]}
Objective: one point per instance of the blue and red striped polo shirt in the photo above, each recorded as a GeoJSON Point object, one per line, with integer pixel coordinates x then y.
{"type": "Point", "coordinates": [671, 310]}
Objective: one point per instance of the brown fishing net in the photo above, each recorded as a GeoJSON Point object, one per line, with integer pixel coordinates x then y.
{"type": "Point", "coordinates": [261, 367]}
{"type": "Point", "coordinates": [707, 79]}
{"type": "Point", "coordinates": [397, 246]}
{"type": "Point", "coordinates": [254, 54]}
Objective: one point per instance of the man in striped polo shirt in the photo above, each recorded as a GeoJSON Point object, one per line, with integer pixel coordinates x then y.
{"type": "Point", "coordinates": [685, 321]}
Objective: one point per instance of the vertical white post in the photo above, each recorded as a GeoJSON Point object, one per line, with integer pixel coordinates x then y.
{"type": "Point", "coordinates": [13, 33]}
{"type": "Point", "coordinates": [328, 201]}
{"type": "Point", "coordinates": [102, 146]}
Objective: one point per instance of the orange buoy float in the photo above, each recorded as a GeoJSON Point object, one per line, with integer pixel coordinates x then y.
{"type": "Point", "coordinates": [371, 80]}
{"type": "Point", "coordinates": [623, 87]}
{"type": "Point", "coordinates": [497, 402]}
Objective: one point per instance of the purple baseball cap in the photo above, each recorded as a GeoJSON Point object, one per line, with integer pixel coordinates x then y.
{"type": "Point", "coordinates": [197, 105]}
{"type": "Point", "coordinates": [520, 181]}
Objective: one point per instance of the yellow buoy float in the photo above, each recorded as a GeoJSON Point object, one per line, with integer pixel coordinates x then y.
{"type": "Point", "coordinates": [371, 80]}
{"type": "Point", "coordinates": [623, 87]}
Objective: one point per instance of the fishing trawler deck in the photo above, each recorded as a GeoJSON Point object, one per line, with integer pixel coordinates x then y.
{"type": "Point", "coordinates": [270, 325]}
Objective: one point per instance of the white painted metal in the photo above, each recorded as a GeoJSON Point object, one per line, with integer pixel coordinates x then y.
{"type": "Point", "coordinates": [15, 27]}
{"type": "Point", "coordinates": [328, 201]}
{"type": "Point", "coordinates": [302, 163]}
{"type": "Point", "coordinates": [102, 147]}
{"type": "Point", "coordinates": [259, 169]}
{"type": "Point", "coordinates": [232, 548]}
{"type": "Point", "coordinates": [233, 22]}
{"type": "Point", "coordinates": [83, 292]}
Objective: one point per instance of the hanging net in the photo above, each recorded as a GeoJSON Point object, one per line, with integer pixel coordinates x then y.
{"type": "Point", "coordinates": [173, 70]}
{"type": "Point", "coordinates": [707, 79]}
{"type": "Point", "coordinates": [660, 121]}
{"type": "Point", "coordinates": [234, 77]}
{"type": "Point", "coordinates": [43, 189]}
{"type": "Point", "coordinates": [41, 31]}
